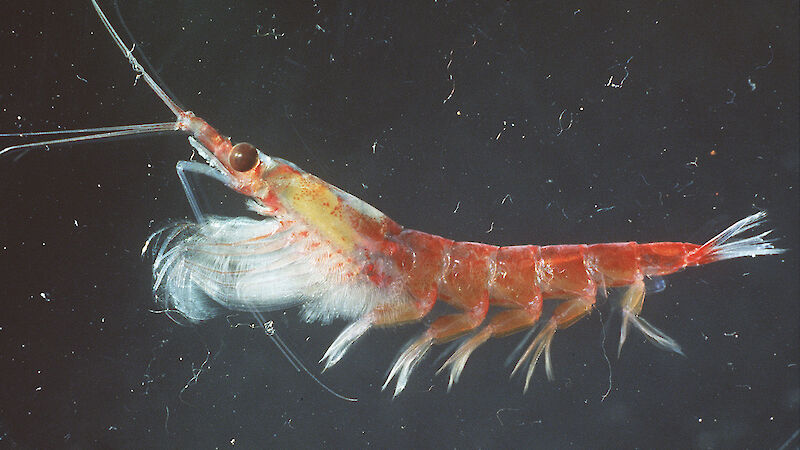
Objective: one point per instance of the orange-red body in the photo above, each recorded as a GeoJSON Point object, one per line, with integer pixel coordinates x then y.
{"type": "Point", "coordinates": [473, 276]}
{"type": "Point", "coordinates": [411, 269]}
{"type": "Point", "coordinates": [335, 256]}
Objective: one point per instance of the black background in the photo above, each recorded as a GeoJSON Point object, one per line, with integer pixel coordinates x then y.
{"type": "Point", "coordinates": [355, 92]}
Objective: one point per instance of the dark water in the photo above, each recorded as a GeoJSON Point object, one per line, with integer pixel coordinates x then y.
{"type": "Point", "coordinates": [701, 132]}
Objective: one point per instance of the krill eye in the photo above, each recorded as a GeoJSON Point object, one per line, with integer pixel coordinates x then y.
{"type": "Point", "coordinates": [243, 157]}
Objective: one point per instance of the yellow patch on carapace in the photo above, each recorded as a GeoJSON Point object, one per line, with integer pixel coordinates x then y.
{"type": "Point", "coordinates": [321, 208]}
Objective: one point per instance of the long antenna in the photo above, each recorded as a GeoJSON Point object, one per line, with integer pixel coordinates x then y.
{"type": "Point", "coordinates": [97, 133]}
{"type": "Point", "coordinates": [140, 72]}
{"type": "Point", "coordinates": [88, 134]}
{"type": "Point", "coordinates": [142, 55]}
{"type": "Point", "coordinates": [298, 365]}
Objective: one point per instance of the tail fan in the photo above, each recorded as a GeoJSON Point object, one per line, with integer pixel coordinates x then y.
{"type": "Point", "coordinates": [720, 247]}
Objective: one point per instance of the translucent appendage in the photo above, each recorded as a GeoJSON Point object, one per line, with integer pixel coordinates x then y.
{"type": "Point", "coordinates": [345, 339]}
{"type": "Point", "coordinates": [406, 362]}
{"type": "Point", "coordinates": [459, 358]}
{"type": "Point", "coordinates": [540, 344]}
{"type": "Point", "coordinates": [632, 302]}
{"type": "Point", "coordinates": [656, 336]}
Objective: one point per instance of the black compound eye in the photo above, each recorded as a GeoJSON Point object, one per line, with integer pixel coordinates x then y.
{"type": "Point", "coordinates": [243, 157]}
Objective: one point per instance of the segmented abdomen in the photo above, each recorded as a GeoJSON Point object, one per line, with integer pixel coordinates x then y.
{"type": "Point", "coordinates": [508, 275]}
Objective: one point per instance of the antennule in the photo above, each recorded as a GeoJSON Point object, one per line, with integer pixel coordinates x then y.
{"type": "Point", "coordinates": [95, 133]}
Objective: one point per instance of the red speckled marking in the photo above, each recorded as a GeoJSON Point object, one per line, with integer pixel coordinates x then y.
{"type": "Point", "coordinates": [466, 278]}
{"type": "Point", "coordinates": [615, 264]}
{"type": "Point", "coordinates": [515, 273]}
{"type": "Point", "coordinates": [570, 277]}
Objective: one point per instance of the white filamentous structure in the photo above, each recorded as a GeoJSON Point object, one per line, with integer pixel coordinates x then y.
{"type": "Point", "coordinates": [244, 264]}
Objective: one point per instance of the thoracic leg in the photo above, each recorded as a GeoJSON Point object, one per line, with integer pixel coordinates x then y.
{"type": "Point", "coordinates": [385, 315]}
{"type": "Point", "coordinates": [441, 330]}
{"type": "Point", "coordinates": [631, 304]}
{"type": "Point", "coordinates": [503, 323]}
{"type": "Point", "coordinates": [565, 314]}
